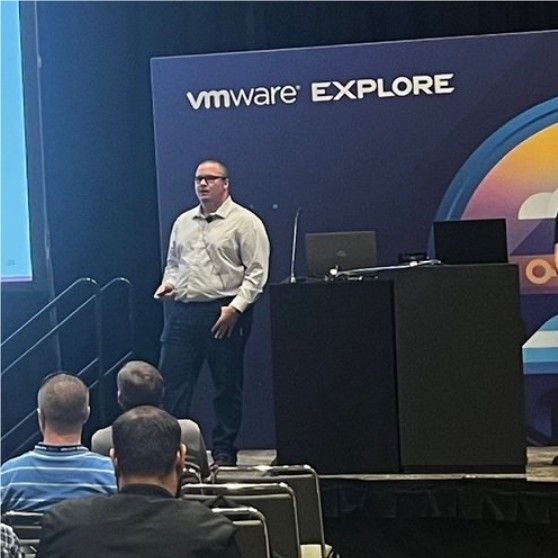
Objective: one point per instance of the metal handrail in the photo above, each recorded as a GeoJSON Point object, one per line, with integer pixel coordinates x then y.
{"type": "Point", "coordinates": [49, 334]}
{"type": "Point", "coordinates": [98, 359]}
{"type": "Point", "coordinates": [50, 305]}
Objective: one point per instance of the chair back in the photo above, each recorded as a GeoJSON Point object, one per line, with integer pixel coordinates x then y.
{"type": "Point", "coordinates": [277, 502]}
{"type": "Point", "coordinates": [27, 527]}
{"type": "Point", "coordinates": [191, 474]}
{"type": "Point", "coordinates": [305, 484]}
{"type": "Point", "coordinates": [252, 535]}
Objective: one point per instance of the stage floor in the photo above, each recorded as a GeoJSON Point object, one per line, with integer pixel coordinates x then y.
{"type": "Point", "coordinates": [440, 515]}
{"type": "Point", "coordinates": [539, 468]}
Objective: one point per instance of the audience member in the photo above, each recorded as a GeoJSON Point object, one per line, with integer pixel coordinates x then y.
{"type": "Point", "coordinates": [58, 468]}
{"type": "Point", "coordinates": [140, 383]}
{"type": "Point", "coordinates": [145, 519]}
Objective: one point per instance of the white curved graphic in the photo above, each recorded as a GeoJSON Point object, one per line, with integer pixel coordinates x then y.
{"type": "Point", "coordinates": [543, 205]}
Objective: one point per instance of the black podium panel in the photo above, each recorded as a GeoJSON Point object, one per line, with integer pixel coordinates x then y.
{"type": "Point", "coordinates": [420, 369]}
{"type": "Point", "coordinates": [334, 376]}
{"type": "Point", "coordinates": [459, 369]}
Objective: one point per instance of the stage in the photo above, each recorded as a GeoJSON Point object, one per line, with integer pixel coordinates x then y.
{"type": "Point", "coordinates": [441, 515]}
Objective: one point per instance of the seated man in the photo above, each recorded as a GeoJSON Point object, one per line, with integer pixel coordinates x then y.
{"type": "Point", "coordinates": [140, 383]}
{"type": "Point", "coordinates": [145, 519]}
{"type": "Point", "coordinates": [59, 467]}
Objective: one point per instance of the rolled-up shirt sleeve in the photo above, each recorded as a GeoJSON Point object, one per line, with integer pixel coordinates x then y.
{"type": "Point", "coordinates": [254, 253]}
{"type": "Point", "coordinates": [171, 268]}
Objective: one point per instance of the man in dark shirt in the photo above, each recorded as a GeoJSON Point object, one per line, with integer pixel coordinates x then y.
{"type": "Point", "coordinates": [145, 519]}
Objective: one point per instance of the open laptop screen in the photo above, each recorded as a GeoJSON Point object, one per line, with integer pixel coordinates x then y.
{"type": "Point", "coordinates": [345, 250]}
{"type": "Point", "coordinates": [471, 241]}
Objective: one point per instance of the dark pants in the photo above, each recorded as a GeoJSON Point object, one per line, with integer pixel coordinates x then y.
{"type": "Point", "coordinates": [187, 342]}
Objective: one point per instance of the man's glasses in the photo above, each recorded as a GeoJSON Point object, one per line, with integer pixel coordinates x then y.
{"type": "Point", "coordinates": [208, 178]}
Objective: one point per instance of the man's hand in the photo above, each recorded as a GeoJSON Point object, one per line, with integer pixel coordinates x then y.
{"type": "Point", "coordinates": [164, 291]}
{"type": "Point", "coordinates": [224, 326]}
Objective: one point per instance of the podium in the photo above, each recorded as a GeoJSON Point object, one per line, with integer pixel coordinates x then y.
{"type": "Point", "coordinates": [417, 370]}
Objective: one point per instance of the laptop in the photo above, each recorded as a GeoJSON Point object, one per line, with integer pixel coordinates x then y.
{"type": "Point", "coordinates": [345, 250]}
{"type": "Point", "coordinates": [476, 241]}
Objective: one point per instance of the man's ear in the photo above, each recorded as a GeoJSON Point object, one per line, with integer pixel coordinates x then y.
{"type": "Point", "coordinates": [113, 458]}
{"type": "Point", "coordinates": [180, 463]}
{"type": "Point", "coordinates": [115, 466]}
{"type": "Point", "coordinates": [179, 467]}
{"type": "Point", "coordinates": [41, 420]}
{"type": "Point", "coordinates": [181, 455]}
{"type": "Point", "coordinates": [87, 414]}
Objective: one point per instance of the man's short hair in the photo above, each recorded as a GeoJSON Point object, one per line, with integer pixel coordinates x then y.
{"type": "Point", "coordinates": [139, 383]}
{"type": "Point", "coordinates": [146, 440]}
{"type": "Point", "coordinates": [224, 167]}
{"type": "Point", "coordinates": [63, 400]}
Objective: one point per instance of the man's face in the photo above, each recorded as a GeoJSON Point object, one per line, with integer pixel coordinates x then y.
{"type": "Point", "coordinates": [210, 185]}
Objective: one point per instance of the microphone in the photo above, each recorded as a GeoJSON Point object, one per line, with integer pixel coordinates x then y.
{"type": "Point", "coordinates": [292, 276]}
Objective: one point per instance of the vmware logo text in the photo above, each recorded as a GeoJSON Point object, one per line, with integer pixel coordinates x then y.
{"type": "Point", "coordinates": [323, 91]}
{"type": "Point", "coordinates": [259, 96]}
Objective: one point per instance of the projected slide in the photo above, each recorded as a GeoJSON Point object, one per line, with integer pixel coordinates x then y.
{"type": "Point", "coordinates": [16, 248]}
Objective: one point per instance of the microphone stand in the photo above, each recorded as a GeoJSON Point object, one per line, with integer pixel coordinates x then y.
{"type": "Point", "coordinates": [292, 276]}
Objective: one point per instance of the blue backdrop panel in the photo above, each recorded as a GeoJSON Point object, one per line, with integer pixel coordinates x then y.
{"type": "Point", "coordinates": [359, 136]}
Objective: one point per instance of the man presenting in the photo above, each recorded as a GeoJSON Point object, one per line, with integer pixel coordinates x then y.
{"type": "Point", "coordinates": [216, 268]}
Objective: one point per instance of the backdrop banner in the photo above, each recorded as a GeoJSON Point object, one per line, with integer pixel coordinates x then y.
{"type": "Point", "coordinates": [386, 137]}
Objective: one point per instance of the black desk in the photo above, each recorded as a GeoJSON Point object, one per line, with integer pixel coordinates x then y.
{"type": "Point", "coordinates": [418, 370]}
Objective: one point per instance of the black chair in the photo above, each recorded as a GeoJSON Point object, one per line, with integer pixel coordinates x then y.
{"type": "Point", "coordinates": [191, 474]}
{"type": "Point", "coordinates": [27, 527]}
{"type": "Point", "coordinates": [252, 536]}
{"type": "Point", "coordinates": [304, 481]}
{"type": "Point", "coordinates": [276, 502]}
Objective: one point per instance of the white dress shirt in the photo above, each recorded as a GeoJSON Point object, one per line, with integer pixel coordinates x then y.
{"type": "Point", "coordinates": [228, 257]}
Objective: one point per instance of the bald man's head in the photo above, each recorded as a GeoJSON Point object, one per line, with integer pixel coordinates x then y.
{"type": "Point", "coordinates": [63, 402]}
